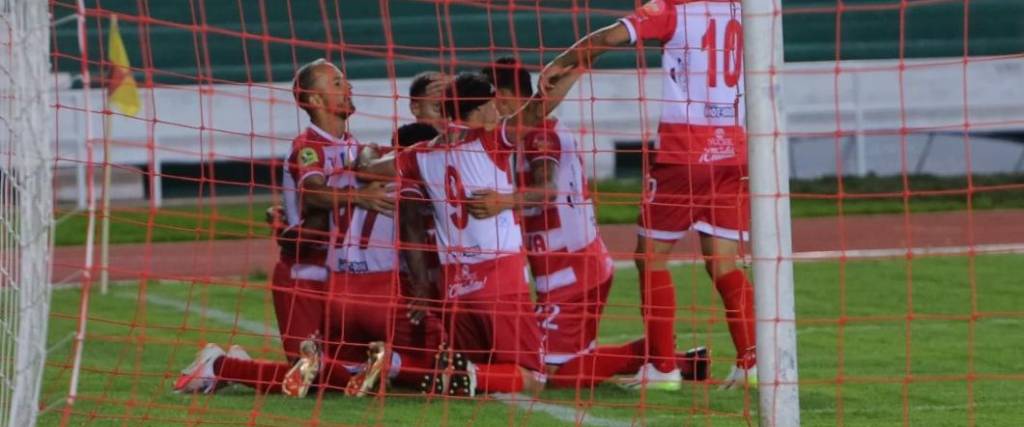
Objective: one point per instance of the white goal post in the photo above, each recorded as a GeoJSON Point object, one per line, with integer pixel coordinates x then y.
{"type": "Point", "coordinates": [771, 236]}
{"type": "Point", "coordinates": [26, 206]}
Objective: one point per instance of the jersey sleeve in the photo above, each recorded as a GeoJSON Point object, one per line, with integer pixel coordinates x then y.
{"type": "Point", "coordinates": [306, 160]}
{"type": "Point", "coordinates": [655, 20]}
{"type": "Point", "coordinates": [543, 144]}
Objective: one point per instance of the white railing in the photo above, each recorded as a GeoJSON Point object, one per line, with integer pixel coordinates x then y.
{"type": "Point", "coordinates": [239, 122]}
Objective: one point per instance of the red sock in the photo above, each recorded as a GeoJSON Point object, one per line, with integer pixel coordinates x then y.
{"type": "Point", "coordinates": [499, 378]}
{"type": "Point", "coordinates": [334, 375]}
{"type": "Point", "coordinates": [588, 370]}
{"type": "Point", "coordinates": [658, 295]}
{"type": "Point", "coordinates": [738, 296]}
{"type": "Point", "coordinates": [262, 375]}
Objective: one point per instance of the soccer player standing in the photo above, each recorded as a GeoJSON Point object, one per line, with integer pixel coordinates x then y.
{"type": "Point", "coordinates": [698, 179]}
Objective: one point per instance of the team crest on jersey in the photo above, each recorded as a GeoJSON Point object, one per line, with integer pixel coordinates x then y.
{"type": "Point", "coordinates": [308, 156]}
{"type": "Point", "coordinates": [543, 141]}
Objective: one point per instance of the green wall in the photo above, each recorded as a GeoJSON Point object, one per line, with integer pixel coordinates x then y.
{"type": "Point", "coordinates": [198, 41]}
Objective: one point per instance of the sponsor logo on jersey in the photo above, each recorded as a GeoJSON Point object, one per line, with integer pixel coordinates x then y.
{"type": "Point", "coordinates": [355, 267]}
{"type": "Point", "coordinates": [719, 111]}
{"type": "Point", "coordinates": [718, 147]}
{"type": "Point", "coordinates": [467, 283]}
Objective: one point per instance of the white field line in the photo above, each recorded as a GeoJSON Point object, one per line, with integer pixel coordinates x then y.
{"type": "Point", "coordinates": [561, 413]}
{"type": "Point", "coordinates": [207, 312]}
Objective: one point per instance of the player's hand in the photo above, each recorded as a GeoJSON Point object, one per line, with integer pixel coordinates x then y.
{"type": "Point", "coordinates": [435, 90]}
{"type": "Point", "coordinates": [418, 310]}
{"type": "Point", "coordinates": [551, 75]}
{"type": "Point", "coordinates": [377, 196]}
{"type": "Point", "coordinates": [367, 155]}
{"type": "Point", "coordinates": [274, 216]}
{"type": "Point", "coordinates": [420, 306]}
{"type": "Point", "coordinates": [487, 203]}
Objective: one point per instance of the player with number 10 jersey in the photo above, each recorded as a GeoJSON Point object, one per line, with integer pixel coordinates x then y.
{"type": "Point", "coordinates": [698, 177]}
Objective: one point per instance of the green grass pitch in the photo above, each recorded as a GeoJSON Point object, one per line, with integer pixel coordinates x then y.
{"type": "Point", "coordinates": [957, 357]}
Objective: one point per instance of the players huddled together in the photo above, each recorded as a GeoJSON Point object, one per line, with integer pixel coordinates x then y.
{"type": "Point", "coordinates": [464, 258]}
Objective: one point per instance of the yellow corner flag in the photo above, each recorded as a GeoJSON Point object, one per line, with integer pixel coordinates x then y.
{"type": "Point", "coordinates": [121, 85]}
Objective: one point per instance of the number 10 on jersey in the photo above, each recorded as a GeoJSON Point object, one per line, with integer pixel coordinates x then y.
{"type": "Point", "coordinates": [731, 51]}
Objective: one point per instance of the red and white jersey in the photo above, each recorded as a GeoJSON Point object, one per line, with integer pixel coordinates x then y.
{"type": "Point", "coordinates": [361, 241]}
{"type": "Point", "coordinates": [702, 115]}
{"type": "Point", "coordinates": [315, 153]}
{"type": "Point", "coordinates": [562, 240]}
{"type": "Point", "coordinates": [474, 253]}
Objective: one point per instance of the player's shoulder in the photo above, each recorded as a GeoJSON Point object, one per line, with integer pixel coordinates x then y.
{"type": "Point", "coordinates": [545, 137]}
{"type": "Point", "coordinates": [307, 149]}
{"type": "Point", "coordinates": [308, 139]}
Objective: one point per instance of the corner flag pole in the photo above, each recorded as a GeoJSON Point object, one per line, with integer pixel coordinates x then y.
{"type": "Point", "coordinates": [771, 231]}
{"type": "Point", "coordinates": [124, 95]}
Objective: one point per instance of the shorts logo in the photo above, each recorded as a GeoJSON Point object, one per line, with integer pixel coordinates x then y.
{"type": "Point", "coordinates": [308, 156]}
{"type": "Point", "coordinates": [719, 111]}
{"type": "Point", "coordinates": [719, 147]}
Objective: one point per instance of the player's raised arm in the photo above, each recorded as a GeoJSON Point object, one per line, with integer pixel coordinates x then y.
{"type": "Point", "coordinates": [585, 51]}
{"type": "Point", "coordinates": [555, 83]}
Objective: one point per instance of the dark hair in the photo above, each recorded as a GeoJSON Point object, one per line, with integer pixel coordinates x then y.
{"type": "Point", "coordinates": [508, 74]}
{"type": "Point", "coordinates": [466, 93]}
{"type": "Point", "coordinates": [303, 83]}
{"type": "Point", "coordinates": [412, 133]}
{"type": "Point", "coordinates": [418, 87]}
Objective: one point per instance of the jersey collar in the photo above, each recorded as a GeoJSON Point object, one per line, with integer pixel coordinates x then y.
{"type": "Point", "coordinates": [328, 137]}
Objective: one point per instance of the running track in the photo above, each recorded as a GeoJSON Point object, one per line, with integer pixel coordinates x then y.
{"type": "Point", "coordinates": [205, 259]}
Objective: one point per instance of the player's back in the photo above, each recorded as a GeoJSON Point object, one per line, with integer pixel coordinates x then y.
{"type": "Point", "coordinates": [702, 109]}
{"type": "Point", "coordinates": [567, 223]}
{"type": "Point", "coordinates": [564, 247]}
